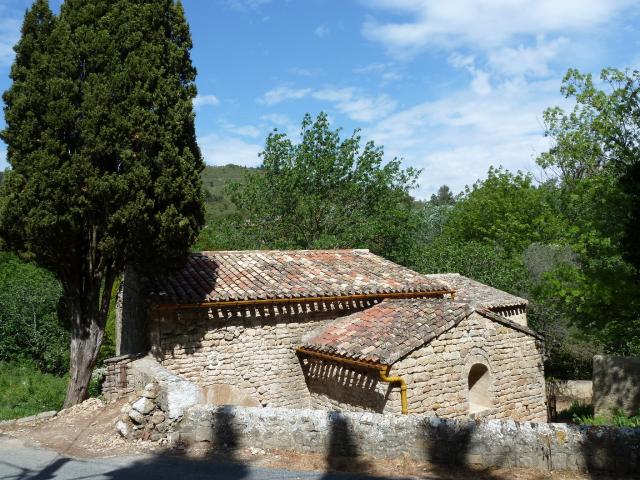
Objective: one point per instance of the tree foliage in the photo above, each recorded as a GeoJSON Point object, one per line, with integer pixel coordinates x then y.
{"type": "Point", "coordinates": [444, 196]}
{"type": "Point", "coordinates": [326, 192]}
{"type": "Point", "coordinates": [101, 141]}
{"type": "Point", "coordinates": [29, 325]}
{"type": "Point", "coordinates": [596, 157]}
{"type": "Point", "coordinates": [508, 211]}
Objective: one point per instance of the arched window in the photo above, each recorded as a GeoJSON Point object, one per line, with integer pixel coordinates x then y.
{"type": "Point", "coordinates": [479, 383]}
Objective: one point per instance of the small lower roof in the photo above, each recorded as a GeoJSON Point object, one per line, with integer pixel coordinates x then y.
{"type": "Point", "coordinates": [476, 294]}
{"type": "Point", "coordinates": [387, 331]}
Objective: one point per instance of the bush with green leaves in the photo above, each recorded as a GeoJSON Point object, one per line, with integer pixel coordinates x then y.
{"type": "Point", "coordinates": [30, 329]}
{"type": "Point", "coordinates": [617, 419]}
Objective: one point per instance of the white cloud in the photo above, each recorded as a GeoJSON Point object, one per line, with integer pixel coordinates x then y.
{"type": "Point", "coordinates": [481, 83]}
{"type": "Point", "coordinates": [388, 72]}
{"type": "Point", "coordinates": [521, 60]}
{"type": "Point", "coordinates": [322, 31]}
{"type": "Point", "coordinates": [456, 138]}
{"type": "Point", "coordinates": [350, 101]}
{"type": "Point", "coordinates": [205, 100]}
{"type": "Point", "coordinates": [483, 23]}
{"type": "Point", "coordinates": [356, 105]}
{"type": "Point", "coordinates": [246, 5]}
{"type": "Point", "coordinates": [280, 94]}
{"type": "Point", "coordinates": [222, 150]}
{"type": "Point", "coordinates": [9, 36]}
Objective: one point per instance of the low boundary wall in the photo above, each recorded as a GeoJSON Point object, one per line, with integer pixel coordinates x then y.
{"type": "Point", "coordinates": [490, 443]}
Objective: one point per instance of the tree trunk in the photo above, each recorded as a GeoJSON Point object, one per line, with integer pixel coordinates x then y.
{"type": "Point", "coordinates": [88, 319]}
{"type": "Point", "coordinates": [85, 345]}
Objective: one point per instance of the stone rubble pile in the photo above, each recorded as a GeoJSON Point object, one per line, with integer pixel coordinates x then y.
{"type": "Point", "coordinates": [144, 419]}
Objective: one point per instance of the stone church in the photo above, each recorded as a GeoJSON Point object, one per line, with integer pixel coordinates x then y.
{"type": "Point", "coordinates": [330, 329]}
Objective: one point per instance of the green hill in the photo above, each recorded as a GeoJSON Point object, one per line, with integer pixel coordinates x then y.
{"type": "Point", "coordinates": [214, 181]}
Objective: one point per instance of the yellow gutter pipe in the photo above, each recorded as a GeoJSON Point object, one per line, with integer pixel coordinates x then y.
{"type": "Point", "coordinates": [383, 372]}
{"type": "Point", "coordinates": [403, 387]}
{"type": "Point", "coordinates": [272, 301]}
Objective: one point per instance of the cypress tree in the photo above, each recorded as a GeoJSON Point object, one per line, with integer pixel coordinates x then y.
{"type": "Point", "coordinates": [105, 167]}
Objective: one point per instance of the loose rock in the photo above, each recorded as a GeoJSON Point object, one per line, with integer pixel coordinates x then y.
{"type": "Point", "coordinates": [122, 428]}
{"type": "Point", "coordinates": [157, 417]}
{"type": "Point", "coordinates": [151, 391]}
{"type": "Point", "coordinates": [137, 417]}
{"type": "Point", "coordinates": [144, 405]}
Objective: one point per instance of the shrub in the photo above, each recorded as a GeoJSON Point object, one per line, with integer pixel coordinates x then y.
{"type": "Point", "coordinates": [618, 419]}
{"type": "Point", "coordinates": [24, 390]}
{"type": "Point", "coordinates": [30, 304]}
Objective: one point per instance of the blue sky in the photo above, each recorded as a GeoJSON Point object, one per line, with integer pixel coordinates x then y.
{"type": "Point", "coordinates": [451, 86]}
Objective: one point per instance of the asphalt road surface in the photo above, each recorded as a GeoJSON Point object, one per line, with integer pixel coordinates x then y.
{"type": "Point", "coordinates": [19, 461]}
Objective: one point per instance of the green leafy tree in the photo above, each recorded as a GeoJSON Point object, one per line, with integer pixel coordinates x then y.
{"type": "Point", "coordinates": [481, 261]}
{"type": "Point", "coordinates": [595, 157]}
{"type": "Point", "coordinates": [30, 298]}
{"type": "Point", "coordinates": [327, 192]}
{"type": "Point", "coordinates": [508, 211]}
{"type": "Point", "coordinates": [105, 165]}
{"type": "Point", "coordinates": [443, 197]}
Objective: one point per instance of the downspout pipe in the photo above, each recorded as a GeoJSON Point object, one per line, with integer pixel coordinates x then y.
{"type": "Point", "coordinates": [384, 376]}
{"type": "Point", "coordinates": [383, 372]}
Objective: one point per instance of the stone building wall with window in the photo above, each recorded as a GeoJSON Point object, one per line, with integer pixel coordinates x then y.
{"type": "Point", "coordinates": [479, 367]}
{"type": "Point", "coordinates": [473, 362]}
{"type": "Point", "coordinates": [332, 329]}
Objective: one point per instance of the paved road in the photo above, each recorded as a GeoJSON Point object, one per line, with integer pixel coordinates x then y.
{"type": "Point", "coordinates": [24, 462]}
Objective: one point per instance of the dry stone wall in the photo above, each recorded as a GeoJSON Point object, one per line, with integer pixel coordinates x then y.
{"type": "Point", "coordinates": [483, 443]}
{"type": "Point", "coordinates": [437, 376]}
{"type": "Point", "coordinates": [242, 356]}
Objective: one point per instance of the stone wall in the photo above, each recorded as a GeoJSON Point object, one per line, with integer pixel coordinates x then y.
{"type": "Point", "coordinates": [242, 356]}
{"type": "Point", "coordinates": [616, 385]}
{"type": "Point", "coordinates": [437, 376]}
{"type": "Point", "coordinates": [487, 443]}
{"type": "Point", "coordinates": [120, 377]}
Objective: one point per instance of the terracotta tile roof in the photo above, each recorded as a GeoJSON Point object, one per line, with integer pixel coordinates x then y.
{"type": "Point", "coordinates": [387, 331]}
{"type": "Point", "coordinates": [275, 274]}
{"type": "Point", "coordinates": [478, 294]}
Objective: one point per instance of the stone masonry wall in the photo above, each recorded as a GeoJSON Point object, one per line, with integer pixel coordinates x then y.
{"type": "Point", "coordinates": [437, 376]}
{"type": "Point", "coordinates": [422, 438]}
{"type": "Point", "coordinates": [119, 378]}
{"type": "Point", "coordinates": [242, 356]}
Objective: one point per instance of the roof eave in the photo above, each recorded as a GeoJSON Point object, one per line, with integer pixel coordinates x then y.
{"type": "Point", "coordinates": [288, 300]}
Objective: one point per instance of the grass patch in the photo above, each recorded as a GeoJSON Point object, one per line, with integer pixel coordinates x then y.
{"type": "Point", "coordinates": [24, 390]}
